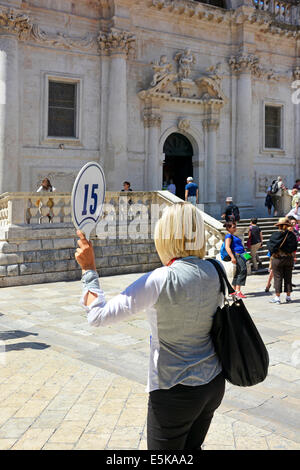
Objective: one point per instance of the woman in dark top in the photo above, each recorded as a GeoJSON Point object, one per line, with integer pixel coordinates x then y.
{"type": "Point", "coordinates": [256, 241]}
{"type": "Point", "coordinates": [235, 249]}
{"type": "Point", "coordinates": [282, 244]}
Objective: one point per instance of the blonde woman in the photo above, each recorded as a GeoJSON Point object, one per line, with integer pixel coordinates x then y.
{"type": "Point", "coordinates": [185, 382]}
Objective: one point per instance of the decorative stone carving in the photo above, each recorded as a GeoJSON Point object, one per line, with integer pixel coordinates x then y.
{"type": "Point", "coordinates": [184, 124]}
{"type": "Point", "coordinates": [185, 61]}
{"type": "Point", "coordinates": [15, 22]}
{"type": "Point", "coordinates": [204, 91]}
{"type": "Point", "coordinates": [116, 42]}
{"type": "Point", "coordinates": [62, 40]}
{"type": "Point", "coordinates": [245, 63]}
{"type": "Point", "coordinates": [151, 118]}
{"type": "Point", "coordinates": [210, 124]}
{"type": "Point", "coordinates": [296, 73]}
{"type": "Point", "coordinates": [161, 69]}
{"type": "Point", "coordinates": [21, 25]}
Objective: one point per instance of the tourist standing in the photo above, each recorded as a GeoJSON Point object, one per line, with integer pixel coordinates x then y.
{"type": "Point", "coordinates": [282, 244]}
{"type": "Point", "coordinates": [126, 186]}
{"type": "Point", "coordinates": [171, 187]}
{"type": "Point", "coordinates": [268, 200]}
{"type": "Point", "coordinates": [46, 186]}
{"type": "Point", "coordinates": [295, 210]}
{"type": "Point", "coordinates": [185, 381]}
{"type": "Point", "coordinates": [191, 191]}
{"type": "Point", "coordinates": [255, 242]}
{"type": "Point", "coordinates": [231, 212]}
{"type": "Point", "coordinates": [235, 249]}
{"type": "Point", "coordinates": [297, 185]}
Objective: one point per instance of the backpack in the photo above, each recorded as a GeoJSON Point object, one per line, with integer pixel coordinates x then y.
{"type": "Point", "coordinates": [235, 214]}
{"type": "Point", "coordinates": [223, 253]}
{"type": "Point", "coordinates": [274, 187]}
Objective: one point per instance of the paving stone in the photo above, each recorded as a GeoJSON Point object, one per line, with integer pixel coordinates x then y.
{"type": "Point", "coordinates": [87, 391]}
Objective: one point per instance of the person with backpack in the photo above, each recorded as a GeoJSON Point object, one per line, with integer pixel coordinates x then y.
{"type": "Point", "coordinates": [282, 245]}
{"type": "Point", "coordinates": [231, 212]}
{"type": "Point", "coordinates": [233, 250]}
{"type": "Point", "coordinates": [255, 241]}
{"type": "Point", "coordinates": [277, 187]}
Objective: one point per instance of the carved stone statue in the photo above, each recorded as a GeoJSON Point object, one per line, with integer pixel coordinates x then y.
{"type": "Point", "coordinates": [185, 61]}
{"type": "Point", "coordinates": [161, 69]}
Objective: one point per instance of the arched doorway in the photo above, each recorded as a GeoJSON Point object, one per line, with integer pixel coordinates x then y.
{"type": "Point", "coordinates": [178, 163]}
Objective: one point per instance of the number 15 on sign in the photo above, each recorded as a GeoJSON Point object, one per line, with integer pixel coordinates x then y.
{"type": "Point", "coordinates": [88, 197]}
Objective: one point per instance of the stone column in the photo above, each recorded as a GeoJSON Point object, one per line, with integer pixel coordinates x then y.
{"type": "Point", "coordinates": [244, 66]}
{"type": "Point", "coordinates": [116, 44]}
{"type": "Point", "coordinates": [152, 121]}
{"type": "Point", "coordinates": [211, 125]}
{"type": "Point", "coordinates": [9, 114]}
{"type": "Point", "coordinates": [296, 76]}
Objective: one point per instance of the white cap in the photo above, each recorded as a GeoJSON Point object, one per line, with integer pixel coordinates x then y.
{"type": "Point", "coordinates": [190, 178]}
{"type": "Point", "coordinates": [229, 199]}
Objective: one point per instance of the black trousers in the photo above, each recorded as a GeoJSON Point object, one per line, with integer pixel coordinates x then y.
{"type": "Point", "coordinates": [179, 418]}
{"type": "Point", "coordinates": [241, 271]}
{"type": "Point", "coordinates": [282, 269]}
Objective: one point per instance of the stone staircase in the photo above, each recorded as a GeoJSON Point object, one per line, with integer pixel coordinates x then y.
{"type": "Point", "coordinates": [267, 226]}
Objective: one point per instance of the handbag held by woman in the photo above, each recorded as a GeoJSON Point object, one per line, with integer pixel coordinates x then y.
{"type": "Point", "coordinates": [237, 342]}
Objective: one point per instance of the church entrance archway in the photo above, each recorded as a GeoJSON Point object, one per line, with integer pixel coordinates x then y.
{"type": "Point", "coordinates": [178, 163]}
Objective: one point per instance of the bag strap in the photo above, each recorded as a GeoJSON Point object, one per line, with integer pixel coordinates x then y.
{"type": "Point", "coordinates": [284, 240]}
{"type": "Point", "coordinates": [222, 277]}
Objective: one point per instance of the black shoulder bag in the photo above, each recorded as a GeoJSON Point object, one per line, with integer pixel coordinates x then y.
{"type": "Point", "coordinates": [237, 342]}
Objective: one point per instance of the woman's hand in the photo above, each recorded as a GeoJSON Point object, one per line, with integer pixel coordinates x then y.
{"type": "Point", "coordinates": [233, 260]}
{"type": "Point", "coordinates": [84, 254]}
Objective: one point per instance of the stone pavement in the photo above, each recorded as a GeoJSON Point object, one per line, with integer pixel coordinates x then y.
{"type": "Point", "coordinates": [67, 385]}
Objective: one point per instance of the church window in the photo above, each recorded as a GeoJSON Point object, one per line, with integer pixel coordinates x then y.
{"type": "Point", "coordinates": [273, 127]}
{"type": "Point", "coordinates": [62, 104]}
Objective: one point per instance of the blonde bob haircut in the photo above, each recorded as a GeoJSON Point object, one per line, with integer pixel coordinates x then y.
{"type": "Point", "coordinates": [180, 233]}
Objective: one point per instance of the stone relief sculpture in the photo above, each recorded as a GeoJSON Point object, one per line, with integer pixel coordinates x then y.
{"type": "Point", "coordinates": [185, 61]}
{"type": "Point", "coordinates": [161, 69]}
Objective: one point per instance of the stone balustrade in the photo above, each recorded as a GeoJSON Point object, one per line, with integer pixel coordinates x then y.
{"type": "Point", "coordinates": [284, 11]}
{"type": "Point", "coordinates": [34, 248]}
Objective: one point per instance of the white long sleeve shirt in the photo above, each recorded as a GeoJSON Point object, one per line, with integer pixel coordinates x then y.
{"type": "Point", "coordinates": [180, 301]}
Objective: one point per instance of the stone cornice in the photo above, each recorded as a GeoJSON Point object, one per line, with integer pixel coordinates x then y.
{"type": "Point", "coordinates": [265, 20]}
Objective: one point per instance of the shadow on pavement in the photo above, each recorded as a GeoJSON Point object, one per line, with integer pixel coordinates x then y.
{"type": "Point", "coordinates": [7, 335]}
{"type": "Point", "coordinates": [31, 345]}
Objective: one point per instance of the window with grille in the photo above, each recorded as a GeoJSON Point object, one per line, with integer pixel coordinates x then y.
{"type": "Point", "coordinates": [273, 127]}
{"type": "Point", "coordinates": [62, 104]}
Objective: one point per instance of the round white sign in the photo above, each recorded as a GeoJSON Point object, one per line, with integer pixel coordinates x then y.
{"type": "Point", "coordinates": [88, 197]}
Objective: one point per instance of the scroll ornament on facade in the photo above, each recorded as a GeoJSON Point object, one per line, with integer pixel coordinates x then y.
{"type": "Point", "coordinates": [184, 124]}
{"type": "Point", "coordinates": [20, 24]}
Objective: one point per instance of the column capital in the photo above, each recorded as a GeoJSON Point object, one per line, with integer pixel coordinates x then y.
{"type": "Point", "coordinates": [245, 63]}
{"type": "Point", "coordinates": [116, 42]}
{"type": "Point", "coordinates": [211, 124]}
{"type": "Point", "coordinates": [151, 118]}
{"type": "Point", "coordinates": [15, 22]}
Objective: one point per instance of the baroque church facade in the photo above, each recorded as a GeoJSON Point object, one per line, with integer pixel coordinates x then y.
{"type": "Point", "coordinates": [155, 90]}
